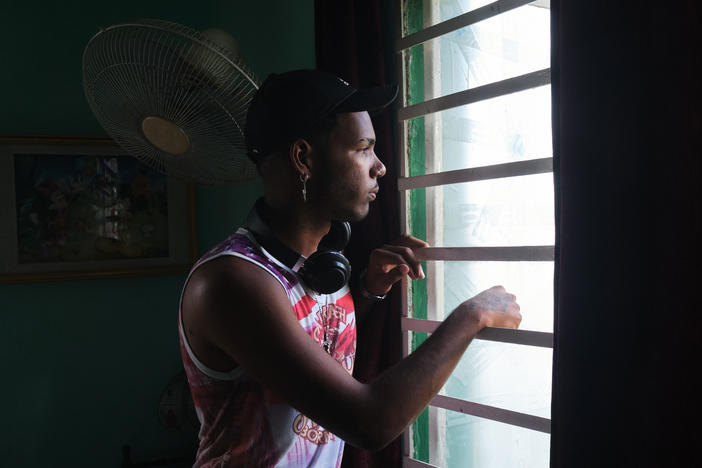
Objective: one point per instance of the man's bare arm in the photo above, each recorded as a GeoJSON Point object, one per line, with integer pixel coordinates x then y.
{"type": "Point", "coordinates": [242, 310]}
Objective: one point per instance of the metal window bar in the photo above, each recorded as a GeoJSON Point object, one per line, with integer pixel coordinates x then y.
{"type": "Point", "coordinates": [514, 418]}
{"type": "Point", "coordinates": [531, 253]}
{"type": "Point", "coordinates": [496, 171]}
{"type": "Point", "coordinates": [480, 93]}
{"type": "Point", "coordinates": [409, 462]}
{"type": "Point", "coordinates": [461, 21]}
{"type": "Point", "coordinates": [502, 335]}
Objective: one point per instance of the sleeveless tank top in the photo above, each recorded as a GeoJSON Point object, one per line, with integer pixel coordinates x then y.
{"type": "Point", "coordinates": [241, 423]}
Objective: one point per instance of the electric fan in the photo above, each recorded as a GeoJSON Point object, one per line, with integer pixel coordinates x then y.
{"type": "Point", "coordinates": [172, 97]}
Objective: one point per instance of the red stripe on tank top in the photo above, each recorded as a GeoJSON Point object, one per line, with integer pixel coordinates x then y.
{"type": "Point", "coordinates": [304, 307]}
{"type": "Point", "coordinates": [346, 302]}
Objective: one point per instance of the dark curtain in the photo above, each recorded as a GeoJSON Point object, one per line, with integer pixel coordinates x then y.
{"type": "Point", "coordinates": [627, 85]}
{"type": "Point", "coordinates": [353, 40]}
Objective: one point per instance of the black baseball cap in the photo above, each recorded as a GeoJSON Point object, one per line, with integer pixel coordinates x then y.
{"type": "Point", "coordinates": [288, 105]}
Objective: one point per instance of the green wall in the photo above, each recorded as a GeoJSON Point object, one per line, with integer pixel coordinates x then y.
{"type": "Point", "coordinates": [84, 362]}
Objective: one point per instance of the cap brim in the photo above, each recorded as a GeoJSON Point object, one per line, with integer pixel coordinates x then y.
{"type": "Point", "coordinates": [369, 99]}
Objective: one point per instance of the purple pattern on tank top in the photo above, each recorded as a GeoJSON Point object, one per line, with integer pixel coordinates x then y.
{"type": "Point", "coordinates": [240, 243]}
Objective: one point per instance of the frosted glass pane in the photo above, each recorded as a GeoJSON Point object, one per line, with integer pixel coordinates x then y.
{"type": "Point", "coordinates": [473, 442]}
{"type": "Point", "coordinates": [499, 212]}
{"type": "Point", "coordinates": [508, 376]}
{"type": "Point", "coordinates": [531, 282]}
{"type": "Point", "coordinates": [508, 128]}
{"type": "Point", "coordinates": [451, 8]}
{"type": "Point", "coordinates": [447, 9]}
{"type": "Point", "coordinates": [515, 127]}
{"type": "Point", "coordinates": [501, 47]}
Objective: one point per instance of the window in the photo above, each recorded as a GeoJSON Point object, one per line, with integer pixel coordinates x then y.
{"type": "Point", "coordinates": [476, 183]}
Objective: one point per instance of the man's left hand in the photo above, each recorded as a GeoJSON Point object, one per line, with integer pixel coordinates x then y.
{"type": "Point", "coordinates": [391, 262]}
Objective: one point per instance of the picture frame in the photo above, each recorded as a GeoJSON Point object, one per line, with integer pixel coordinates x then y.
{"type": "Point", "coordinates": [82, 208]}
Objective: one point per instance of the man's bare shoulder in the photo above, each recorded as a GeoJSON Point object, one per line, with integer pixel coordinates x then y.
{"type": "Point", "coordinates": [222, 300]}
{"type": "Point", "coordinates": [227, 278]}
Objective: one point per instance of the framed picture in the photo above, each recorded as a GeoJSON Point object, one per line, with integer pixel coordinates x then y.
{"type": "Point", "coordinates": [80, 207]}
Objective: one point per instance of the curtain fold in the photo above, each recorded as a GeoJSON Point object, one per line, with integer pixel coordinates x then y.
{"type": "Point", "coordinates": [627, 125]}
{"type": "Point", "coordinates": [353, 40]}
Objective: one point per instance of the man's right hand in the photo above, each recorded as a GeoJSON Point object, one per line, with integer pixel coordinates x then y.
{"type": "Point", "coordinates": [494, 307]}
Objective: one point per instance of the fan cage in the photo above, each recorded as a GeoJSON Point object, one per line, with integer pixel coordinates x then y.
{"type": "Point", "coordinates": [156, 68]}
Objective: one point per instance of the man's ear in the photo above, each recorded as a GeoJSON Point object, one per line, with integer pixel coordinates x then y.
{"type": "Point", "coordinates": [301, 156]}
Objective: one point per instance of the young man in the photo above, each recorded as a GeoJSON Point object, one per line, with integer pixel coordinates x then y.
{"type": "Point", "coordinates": [268, 358]}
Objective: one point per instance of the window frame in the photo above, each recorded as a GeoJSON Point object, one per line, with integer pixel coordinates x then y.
{"type": "Point", "coordinates": [511, 169]}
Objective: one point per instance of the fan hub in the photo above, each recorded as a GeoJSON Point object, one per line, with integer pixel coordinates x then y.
{"type": "Point", "coordinates": [165, 135]}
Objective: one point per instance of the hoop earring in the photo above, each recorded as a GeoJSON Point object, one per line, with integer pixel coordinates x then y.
{"type": "Point", "coordinates": [303, 179]}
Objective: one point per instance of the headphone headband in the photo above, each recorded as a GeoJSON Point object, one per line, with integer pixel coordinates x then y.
{"type": "Point", "coordinates": [325, 271]}
{"type": "Point", "coordinates": [266, 238]}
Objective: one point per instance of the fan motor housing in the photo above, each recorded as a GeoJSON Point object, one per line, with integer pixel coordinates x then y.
{"type": "Point", "coordinates": [165, 135]}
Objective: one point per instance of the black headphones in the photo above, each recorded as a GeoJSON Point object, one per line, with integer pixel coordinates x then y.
{"type": "Point", "coordinates": [325, 271]}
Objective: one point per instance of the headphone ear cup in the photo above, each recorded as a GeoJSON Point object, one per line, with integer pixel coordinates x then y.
{"type": "Point", "coordinates": [326, 271]}
{"type": "Point", "coordinates": [338, 236]}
